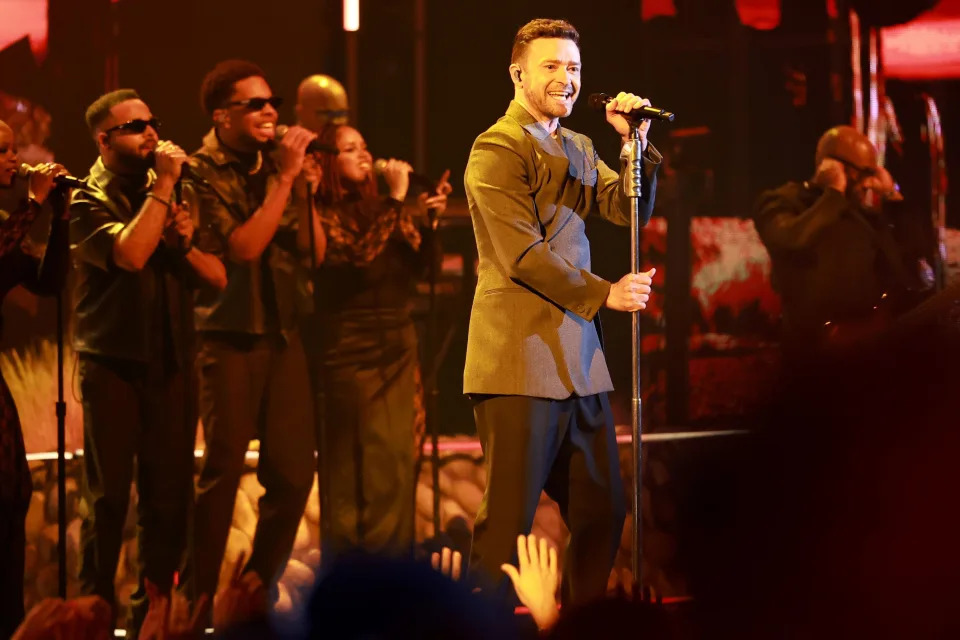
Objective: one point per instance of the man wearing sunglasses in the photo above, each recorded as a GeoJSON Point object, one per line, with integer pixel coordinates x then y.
{"type": "Point", "coordinates": [131, 243]}
{"type": "Point", "coordinates": [839, 265]}
{"type": "Point", "coordinates": [253, 371]}
{"type": "Point", "coordinates": [321, 100]}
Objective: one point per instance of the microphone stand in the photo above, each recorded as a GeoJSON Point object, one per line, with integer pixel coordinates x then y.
{"type": "Point", "coordinates": [58, 202]}
{"type": "Point", "coordinates": [430, 383]}
{"type": "Point", "coordinates": [633, 191]}
{"type": "Point", "coordinates": [319, 397]}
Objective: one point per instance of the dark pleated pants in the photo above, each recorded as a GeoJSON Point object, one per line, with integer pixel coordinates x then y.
{"type": "Point", "coordinates": [251, 387]}
{"type": "Point", "coordinates": [567, 448]}
{"type": "Point", "coordinates": [366, 364]}
{"type": "Point", "coordinates": [132, 411]}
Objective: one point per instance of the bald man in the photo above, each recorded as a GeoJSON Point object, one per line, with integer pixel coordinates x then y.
{"type": "Point", "coordinates": [321, 100]}
{"type": "Point", "coordinates": [838, 265]}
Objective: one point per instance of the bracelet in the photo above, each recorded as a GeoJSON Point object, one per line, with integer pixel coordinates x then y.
{"type": "Point", "coordinates": [151, 194]}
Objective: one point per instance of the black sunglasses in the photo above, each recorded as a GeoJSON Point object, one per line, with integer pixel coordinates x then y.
{"type": "Point", "coordinates": [861, 172]}
{"type": "Point", "coordinates": [136, 126]}
{"type": "Point", "coordinates": [256, 104]}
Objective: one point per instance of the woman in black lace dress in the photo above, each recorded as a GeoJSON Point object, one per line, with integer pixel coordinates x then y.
{"type": "Point", "coordinates": [376, 250]}
{"type": "Point", "coordinates": [41, 276]}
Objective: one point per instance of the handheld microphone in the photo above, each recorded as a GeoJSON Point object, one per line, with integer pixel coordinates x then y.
{"type": "Point", "coordinates": [420, 180]}
{"type": "Point", "coordinates": [315, 146]}
{"type": "Point", "coordinates": [599, 102]}
{"type": "Point", "coordinates": [68, 182]}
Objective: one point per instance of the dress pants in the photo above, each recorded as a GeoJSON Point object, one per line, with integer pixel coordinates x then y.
{"type": "Point", "coordinates": [367, 369]}
{"type": "Point", "coordinates": [567, 448]}
{"type": "Point", "coordinates": [134, 411]}
{"type": "Point", "coordinates": [251, 387]}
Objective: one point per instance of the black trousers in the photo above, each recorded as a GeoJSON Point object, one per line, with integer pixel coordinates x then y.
{"type": "Point", "coordinates": [134, 411]}
{"type": "Point", "coordinates": [367, 360]}
{"type": "Point", "coordinates": [251, 387]}
{"type": "Point", "coordinates": [12, 551]}
{"type": "Point", "coordinates": [567, 448]}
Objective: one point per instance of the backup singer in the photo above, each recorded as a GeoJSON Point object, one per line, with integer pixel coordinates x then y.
{"type": "Point", "coordinates": [376, 249]}
{"type": "Point", "coordinates": [535, 365]}
{"type": "Point", "coordinates": [839, 258]}
{"type": "Point", "coordinates": [132, 246]}
{"type": "Point", "coordinates": [253, 371]}
{"type": "Point", "coordinates": [43, 277]}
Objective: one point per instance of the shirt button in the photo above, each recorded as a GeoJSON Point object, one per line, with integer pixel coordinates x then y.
{"type": "Point", "coordinates": [580, 308]}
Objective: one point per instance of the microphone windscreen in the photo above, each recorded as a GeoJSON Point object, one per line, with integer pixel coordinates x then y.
{"type": "Point", "coordinates": [598, 101]}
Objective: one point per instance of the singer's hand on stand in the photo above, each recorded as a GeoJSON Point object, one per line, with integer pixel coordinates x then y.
{"type": "Point", "coordinates": [631, 292]}
{"type": "Point", "coordinates": [625, 103]}
{"type": "Point", "coordinates": [437, 201]}
{"type": "Point", "coordinates": [310, 174]}
{"type": "Point", "coordinates": [291, 151]}
{"type": "Point", "coordinates": [396, 173]}
{"type": "Point", "coordinates": [168, 158]}
{"type": "Point", "coordinates": [41, 180]}
{"type": "Point", "coordinates": [179, 228]}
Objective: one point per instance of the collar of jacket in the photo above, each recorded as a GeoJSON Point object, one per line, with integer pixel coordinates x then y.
{"type": "Point", "coordinates": [523, 117]}
{"type": "Point", "coordinates": [221, 155]}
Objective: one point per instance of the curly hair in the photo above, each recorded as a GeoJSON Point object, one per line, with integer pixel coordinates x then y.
{"type": "Point", "coordinates": [218, 84]}
{"type": "Point", "coordinates": [541, 28]}
{"type": "Point", "coordinates": [331, 190]}
{"type": "Point", "coordinates": [99, 111]}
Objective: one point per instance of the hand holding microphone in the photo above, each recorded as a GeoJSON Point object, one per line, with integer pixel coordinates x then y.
{"type": "Point", "coordinates": [396, 173]}
{"type": "Point", "coordinates": [625, 110]}
{"type": "Point", "coordinates": [42, 179]}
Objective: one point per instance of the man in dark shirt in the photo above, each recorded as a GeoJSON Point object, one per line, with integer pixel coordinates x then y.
{"type": "Point", "coordinates": [253, 371]}
{"type": "Point", "coordinates": [132, 328]}
{"type": "Point", "coordinates": [837, 262]}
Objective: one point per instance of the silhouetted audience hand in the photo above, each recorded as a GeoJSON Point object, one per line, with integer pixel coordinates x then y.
{"type": "Point", "coordinates": [169, 616]}
{"type": "Point", "coordinates": [244, 599]}
{"type": "Point", "coordinates": [448, 562]}
{"type": "Point", "coordinates": [536, 579]}
{"type": "Point", "coordinates": [87, 618]}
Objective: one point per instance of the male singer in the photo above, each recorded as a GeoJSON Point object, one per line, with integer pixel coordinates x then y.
{"type": "Point", "coordinates": [253, 371]}
{"type": "Point", "coordinates": [132, 328]}
{"type": "Point", "coordinates": [535, 365]}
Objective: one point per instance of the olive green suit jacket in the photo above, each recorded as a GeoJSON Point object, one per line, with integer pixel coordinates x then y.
{"type": "Point", "coordinates": [532, 326]}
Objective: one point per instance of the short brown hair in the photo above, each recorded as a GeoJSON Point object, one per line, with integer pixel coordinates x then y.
{"type": "Point", "coordinates": [100, 109]}
{"type": "Point", "coordinates": [218, 84]}
{"type": "Point", "coordinates": [541, 28]}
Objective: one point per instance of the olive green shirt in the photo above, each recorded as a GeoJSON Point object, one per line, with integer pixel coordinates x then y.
{"type": "Point", "coordinates": [263, 296]}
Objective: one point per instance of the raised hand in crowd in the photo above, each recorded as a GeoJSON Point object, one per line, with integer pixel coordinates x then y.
{"type": "Point", "coordinates": [536, 579]}
{"type": "Point", "coordinates": [448, 562]}
{"type": "Point", "coordinates": [170, 617]}
{"type": "Point", "coordinates": [242, 600]}
{"type": "Point", "coordinates": [436, 201]}
{"type": "Point", "coordinates": [86, 618]}
{"type": "Point", "coordinates": [40, 183]}
{"type": "Point", "coordinates": [631, 292]}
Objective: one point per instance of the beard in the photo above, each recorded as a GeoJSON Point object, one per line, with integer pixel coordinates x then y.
{"type": "Point", "coordinates": [547, 105]}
